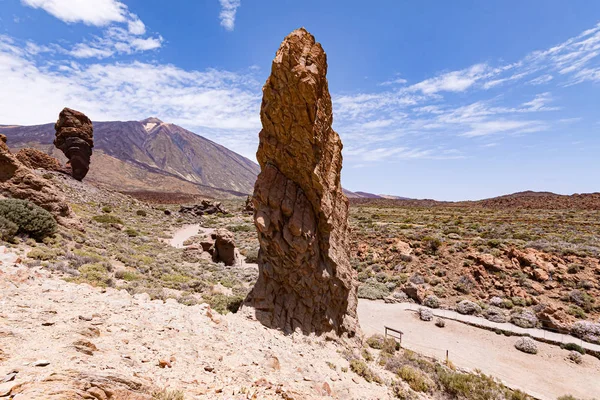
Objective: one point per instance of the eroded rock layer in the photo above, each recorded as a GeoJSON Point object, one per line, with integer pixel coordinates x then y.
{"type": "Point", "coordinates": [75, 138]}
{"type": "Point", "coordinates": [305, 280]}
{"type": "Point", "coordinates": [34, 158]}
{"type": "Point", "coordinates": [18, 181]}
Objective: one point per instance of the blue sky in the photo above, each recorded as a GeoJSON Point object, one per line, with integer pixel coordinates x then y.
{"type": "Point", "coordinates": [432, 99]}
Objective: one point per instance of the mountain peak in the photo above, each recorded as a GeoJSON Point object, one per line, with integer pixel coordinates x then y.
{"type": "Point", "coordinates": [152, 120]}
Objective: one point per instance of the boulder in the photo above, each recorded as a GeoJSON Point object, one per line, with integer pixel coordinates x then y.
{"type": "Point", "coordinates": [415, 292]}
{"type": "Point", "coordinates": [75, 138]}
{"type": "Point", "coordinates": [305, 279]}
{"type": "Point", "coordinates": [33, 158]}
{"type": "Point", "coordinates": [554, 319]}
{"type": "Point", "coordinates": [488, 261]}
{"type": "Point", "coordinates": [586, 330]}
{"type": "Point", "coordinates": [524, 319]}
{"type": "Point", "coordinates": [526, 345]}
{"type": "Point", "coordinates": [495, 314]}
{"type": "Point", "coordinates": [425, 314]}
{"type": "Point", "coordinates": [467, 307]}
{"type": "Point", "coordinates": [225, 250]}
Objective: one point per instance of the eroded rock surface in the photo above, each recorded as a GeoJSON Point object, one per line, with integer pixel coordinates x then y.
{"type": "Point", "coordinates": [75, 138]}
{"type": "Point", "coordinates": [20, 182]}
{"type": "Point", "coordinates": [34, 158]}
{"type": "Point", "coordinates": [305, 280]}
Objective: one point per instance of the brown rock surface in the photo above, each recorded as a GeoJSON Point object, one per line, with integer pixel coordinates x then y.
{"type": "Point", "coordinates": [305, 280]}
{"type": "Point", "coordinates": [75, 138]}
{"type": "Point", "coordinates": [225, 247]}
{"type": "Point", "coordinates": [33, 158]}
{"type": "Point", "coordinates": [18, 181]}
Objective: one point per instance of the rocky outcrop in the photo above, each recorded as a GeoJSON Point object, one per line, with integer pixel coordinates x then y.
{"type": "Point", "coordinates": [20, 182]}
{"type": "Point", "coordinates": [305, 280]}
{"type": "Point", "coordinates": [225, 250]}
{"type": "Point", "coordinates": [75, 138]}
{"type": "Point", "coordinates": [204, 208]}
{"type": "Point", "coordinates": [33, 158]}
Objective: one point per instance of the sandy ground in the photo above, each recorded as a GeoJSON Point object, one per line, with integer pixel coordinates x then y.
{"type": "Point", "coordinates": [60, 340]}
{"type": "Point", "coordinates": [546, 375]}
{"type": "Point", "coordinates": [183, 234]}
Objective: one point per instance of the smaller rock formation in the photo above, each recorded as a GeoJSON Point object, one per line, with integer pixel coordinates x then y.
{"type": "Point", "coordinates": [18, 181]}
{"type": "Point", "coordinates": [75, 138]}
{"type": "Point", "coordinates": [248, 206]}
{"type": "Point", "coordinates": [204, 208]}
{"type": "Point", "coordinates": [33, 158]}
{"type": "Point", "coordinates": [220, 247]}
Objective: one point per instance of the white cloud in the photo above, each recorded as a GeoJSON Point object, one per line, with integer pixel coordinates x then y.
{"type": "Point", "coordinates": [219, 104]}
{"type": "Point", "coordinates": [228, 11]}
{"type": "Point", "coordinates": [504, 126]}
{"type": "Point", "coordinates": [89, 12]}
{"type": "Point", "coordinates": [540, 80]}
{"type": "Point", "coordinates": [455, 81]}
{"type": "Point", "coordinates": [122, 35]}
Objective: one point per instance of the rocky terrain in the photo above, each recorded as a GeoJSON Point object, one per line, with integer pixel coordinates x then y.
{"type": "Point", "coordinates": [150, 154]}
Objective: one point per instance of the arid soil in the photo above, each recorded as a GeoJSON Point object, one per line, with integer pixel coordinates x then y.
{"type": "Point", "coordinates": [546, 375]}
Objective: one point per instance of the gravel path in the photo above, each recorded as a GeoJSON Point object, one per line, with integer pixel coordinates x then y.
{"type": "Point", "coordinates": [183, 234]}
{"type": "Point", "coordinates": [546, 375]}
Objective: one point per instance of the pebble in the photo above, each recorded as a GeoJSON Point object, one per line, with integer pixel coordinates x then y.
{"type": "Point", "coordinates": [41, 363]}
{"type": "Point", "coordinates": [85, 318]}
{"type": "Point", "coordinates": [9, 377]}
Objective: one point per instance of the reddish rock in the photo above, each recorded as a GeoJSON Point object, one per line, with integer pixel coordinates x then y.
{"type": "Point", "coordinates": [33, 158]}
{"type": "Point", "coordinates": [305, 279]}
{"type": "Point", "coordinates": [225, 247]}
{"type": "Point", "coordinates": [75, 138]}
{"type": "Point", "coordinates": [489, 262]}
{"type": "Point", "coordinates": [20, 182]}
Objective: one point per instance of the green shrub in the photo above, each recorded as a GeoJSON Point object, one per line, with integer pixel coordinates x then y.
{"type": "Point", "coordinates": [8, 229]}
{"type": "Point", "coordinates": [373, 291]}
{"type": "Point", "coordinates": [94, 274]}
{"type": "Point", "coordinates": [375, 341]}
{"type": "Point", "coordinates": [43, 254]}
{"type": "Point", "coordinates": [30, 219]}
{"type": "Point", "coordinates": [107, 219]}
{"type": "Point", "coordinates": [431, 244]}
{"type": "Point", "coordinates": [167, 394]}
{"type": "Point", "coordinates": [107, 209]}
{"type": "Point", "coordinates": [141, 213]}
{"type": "Point", "coordinates": [131, 232]}
{"type": "Point", "coordinates": [416, 379]}
{"type": "Point", "coordinates": [574, 347]}
{"type": "Point", "coordinates": [360, 368]}
{"type": "Point", "coordinates": [475, 386]}
{"type": "Point", "coordinates": [224, 304]}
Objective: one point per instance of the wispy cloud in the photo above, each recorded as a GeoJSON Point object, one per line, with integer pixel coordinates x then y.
{"type": "Point", "coordinates": [124, 31]}
{"type": "Point", "coordinates": [228, 11]}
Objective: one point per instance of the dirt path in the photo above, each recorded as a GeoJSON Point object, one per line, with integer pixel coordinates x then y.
{"type": "Point", "coordinates": [183, 234]}
{"type": "Point", "coordinates": [546, 375]}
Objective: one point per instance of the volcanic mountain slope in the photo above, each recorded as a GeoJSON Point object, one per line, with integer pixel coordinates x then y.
{"type": "Point", "coordinates": [149, 154]}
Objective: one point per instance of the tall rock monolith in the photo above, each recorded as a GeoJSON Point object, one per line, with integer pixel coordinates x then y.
{"type": "Point", "coordinates": [75, 138]}
{"type": "Point", "coordinates": [305, 280]}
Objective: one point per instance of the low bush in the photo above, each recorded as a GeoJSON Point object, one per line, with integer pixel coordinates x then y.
{"type": "Point", "coordinates": [360, 368]}
{"type": "Point", "coordinates": [573, 346]}
{"type": "Point", "coordinates": [8, 229]}
{"type": "Point", "coordinates": [107, 219]}
{"type": "Point", "coordinates": [416, 379]}
{"type": "Point", "coordinates": [107, 209]}
{"type": "Point", "coordinates": [141, 213]}
{"type": "Point", "coordinates": [373, 291]}
{"type": "Point", "coordinates": [30, 219]}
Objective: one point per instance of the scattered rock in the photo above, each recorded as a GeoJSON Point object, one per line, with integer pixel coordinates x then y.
{"type": "Point", "coordinates": [490, 262]}
{"type": "Point", "coordinates": [468, 308]}
{"type": "Point", "coordinates": [575, 357]}
{"type": "Point", "coordinates": [75, 138]}
{"type": "Point", "coordinates": [554, 318]}
{"type": "Point", "coordinates": [305, 279]}
{"type": "Point", "coordinates": [41, 363]}
{"type": "Point", "coordinates": [425, 314]}
{"type": "Point", "coordinates": [495, 314]}
{"type": "Point", "coordinates": [415, 292]}
{"type": "Point", "coordinates": [164, 363]}
{"type": "Point", "coordinates": [85, 347]}
{"type": "Point", "coordinates": [586, 330]}
{"type": "Point", "coordinates": [440, 323]}
{"type": "Point", "coordinates": [248, 206]}
{"type": "Point", "coordinates": [524, 319]}
{"type": "Point", "coordinates": [431, 301]}
{"type": "Point", "coordinates": [204, 208]}
{"type": "Point", "coordinates": [9, 377]}
{"type": "Point", "coordinates": [526, 345]}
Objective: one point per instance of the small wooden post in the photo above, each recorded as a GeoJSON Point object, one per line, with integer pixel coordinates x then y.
{"type": "Point", "coordinates": [447, 359]}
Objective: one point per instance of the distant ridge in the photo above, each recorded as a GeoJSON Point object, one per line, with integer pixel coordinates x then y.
{"type": "Point", "coordinates": [520, 200]}
{"type": "Point", "coordinates": [151, 155]}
